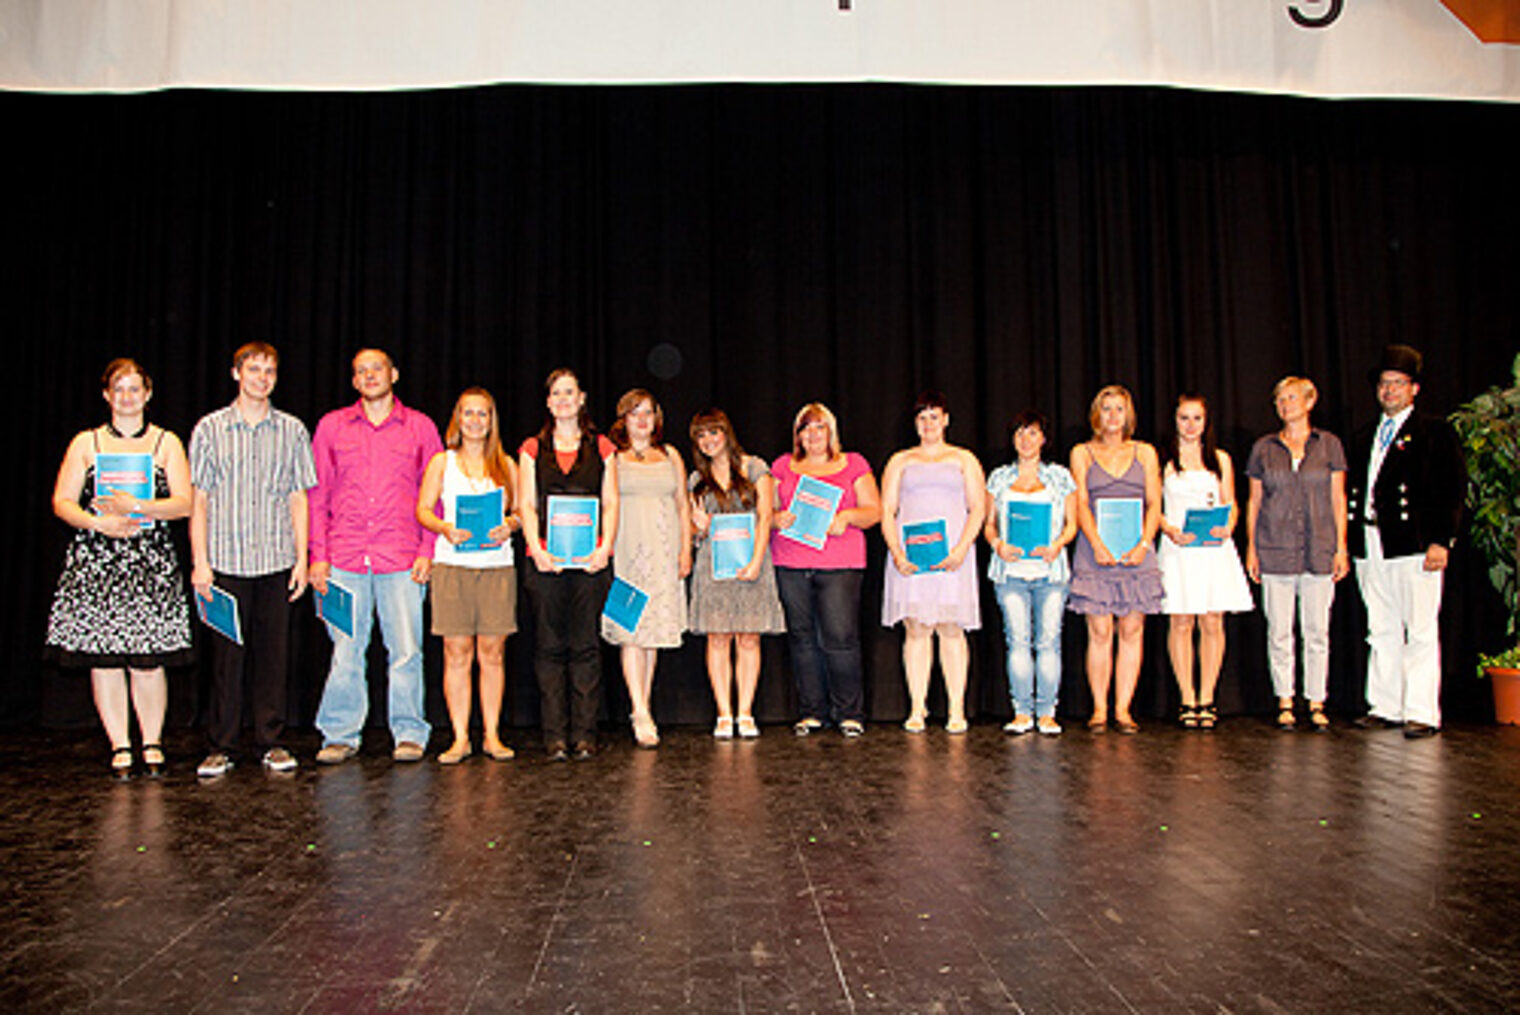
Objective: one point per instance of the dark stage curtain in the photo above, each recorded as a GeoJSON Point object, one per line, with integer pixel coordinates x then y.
{"type": "Point", "coordinates": [755, 247]}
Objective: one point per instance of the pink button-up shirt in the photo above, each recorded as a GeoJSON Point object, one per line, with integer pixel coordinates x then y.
{"type": "Point", "coordinates": [363, 507]}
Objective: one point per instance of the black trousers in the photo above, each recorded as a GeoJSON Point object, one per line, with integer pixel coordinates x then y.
{"type": "Point", "coordinates": [567, 655]}
{"type": "Point", "coordinates": [257, 672]}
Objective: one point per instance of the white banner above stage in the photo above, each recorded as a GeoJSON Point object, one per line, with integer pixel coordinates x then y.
{"type": "Point", "coordinates": [1466, 49]}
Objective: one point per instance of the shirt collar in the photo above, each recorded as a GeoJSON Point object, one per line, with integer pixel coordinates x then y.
{"type": "Point", "coordinates": [397, 414]}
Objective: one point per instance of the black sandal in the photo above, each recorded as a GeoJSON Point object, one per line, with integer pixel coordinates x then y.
{"type": "Point", "coordinates": [1188, 717]}
{"type": "Point", "coordinates": [1208, 715]}
{"type": "Point", "coordinates": [121, 764]}
{"type": "Point", "coordinates": [154, 767]}
{"type": "Point", "coordinates": [1285, 720]}
{"type": "Point", "coordinates": [1318, 720]}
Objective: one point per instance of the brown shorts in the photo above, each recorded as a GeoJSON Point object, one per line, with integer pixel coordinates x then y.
{"type": "Point", "coordinates": [469, 601]}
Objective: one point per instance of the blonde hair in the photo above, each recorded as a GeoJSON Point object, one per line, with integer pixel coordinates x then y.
{"type": "Point", "coordinates": [1305, 388]}
{"type": "Point", "coordinates": [815, 412]}
{"type": "Point", "coordinates": [1095, 412]}
{"type": "Point", "coordinates": [498, 465]}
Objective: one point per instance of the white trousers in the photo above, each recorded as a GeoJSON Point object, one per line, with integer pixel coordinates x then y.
{"type": "Point", "coordinates": [1404, 636]}
{"type": "Point", "coordinates": [1313, 594]}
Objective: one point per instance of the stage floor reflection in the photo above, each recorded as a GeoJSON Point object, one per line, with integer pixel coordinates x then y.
{"type": "Point", "coordinates": [1243, 871]}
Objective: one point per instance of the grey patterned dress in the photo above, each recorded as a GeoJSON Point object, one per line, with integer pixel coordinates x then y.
{"type": "Point", "coordinates": [733, 606]}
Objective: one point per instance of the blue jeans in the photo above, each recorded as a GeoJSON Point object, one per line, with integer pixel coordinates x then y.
{"type": "Point", "coordinates": [823, 633]}
{"type": "Point", "coordinates": [1032, 612]}
{"type": "Point", "coordinates": [345, 699]}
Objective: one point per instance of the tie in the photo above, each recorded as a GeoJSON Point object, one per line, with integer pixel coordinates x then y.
{"type": "Point", "coordinates": [1385, 433]}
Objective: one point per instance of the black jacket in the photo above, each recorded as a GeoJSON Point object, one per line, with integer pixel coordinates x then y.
{"type": "Point", "coordinates": [1420, 488]}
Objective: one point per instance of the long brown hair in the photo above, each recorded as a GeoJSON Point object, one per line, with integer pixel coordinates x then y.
{"type": "Point", "coordinates": [740, 492]}
{"type": "Point", "coordinates": [498, 465]}
{"type": "Point", "coordinates": [582, 420]}
{"type": "Point", "coordinates": [1208, 448]}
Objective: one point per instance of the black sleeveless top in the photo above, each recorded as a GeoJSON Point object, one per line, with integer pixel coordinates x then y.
{"type": "Point", "coordinates": [583, 480]}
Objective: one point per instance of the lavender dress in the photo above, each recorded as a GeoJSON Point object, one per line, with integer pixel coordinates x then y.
{"type": "Point", "coordinates": [930, 491]}
{"type": "Point", "coordinates": [1119, 589]}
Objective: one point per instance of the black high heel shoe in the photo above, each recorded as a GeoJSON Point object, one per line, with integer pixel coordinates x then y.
{"type": "Point", "coordinates": [121, 764]}
{"type": "Point", "coordinates": [153, 760]}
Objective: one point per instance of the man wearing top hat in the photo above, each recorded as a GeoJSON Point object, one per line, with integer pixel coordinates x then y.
{"type": "Point", "coordinates": [1406, 484]}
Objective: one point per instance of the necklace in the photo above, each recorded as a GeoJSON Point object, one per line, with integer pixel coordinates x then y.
{"type": "Point", "coordinates": [111, 429]}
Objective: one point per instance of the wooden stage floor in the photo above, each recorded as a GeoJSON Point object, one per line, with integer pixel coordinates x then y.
{"type": "Point", "coordinates": [1240, 871]}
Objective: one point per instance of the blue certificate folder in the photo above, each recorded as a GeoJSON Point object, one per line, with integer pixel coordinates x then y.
{"type": "Point", "coordinates": [733, 543]}
{"type": "Point", "coordinates": [337, 607]}
{"type": "Point", "coordinates": [572, 528]}
{"type": "Point", "coordinates": [1202, 521]}
{"type": "Point", "coordinates": [815, 503]}
{"type": "Point", "coordinates": [926, 543]}
{"type": "Point", "coordinates": [1120, 523]}
{"type": "Point", "coordinates": [131, 473]}
{"type": "Point", "coordinates": [625, 605]}
{"type": "Point", "coordinates": [220, 614]}
{"type": "Point", "coordinates": [1026, 524]}
{"type": "Point", "coordinates": [478, 514]}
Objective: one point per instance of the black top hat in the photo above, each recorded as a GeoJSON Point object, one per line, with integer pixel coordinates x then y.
{"type": "Point", "coordinates": [1402, 358]}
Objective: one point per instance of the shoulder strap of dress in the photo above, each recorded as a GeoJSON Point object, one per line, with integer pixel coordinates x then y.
{"type": "Point", "coordinates": [161, 432]}
{"type": "Point", "coordinates": [95, 439]}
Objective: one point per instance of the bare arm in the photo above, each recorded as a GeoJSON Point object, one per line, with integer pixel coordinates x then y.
{"type": "Point", "coordinates": [428, 492]}
{"type": "Point", "coordinates": [602, 555]}
{"type": "Point", "coordinates": [1081, 458]}
{"type": "Point", "coordinates": [300, 524]}
{"type": "Point", "coordinates": [976, 507]}
{"type": "Point", "coordinates": [200, 560]}
{"type": "Point", "coordinates": [683, 510]}
{"type": "Point", "coordinates": [527, 506]}
{"type": "Point", "coordinates": [891, 485]}
{"type": "Point", "coordinates": [1149, 465]}
{"type": "Point", "coordinates": [867, 509]}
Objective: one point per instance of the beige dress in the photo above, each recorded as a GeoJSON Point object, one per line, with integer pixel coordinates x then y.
{"type": "Point", "coordinates": [647, 553]}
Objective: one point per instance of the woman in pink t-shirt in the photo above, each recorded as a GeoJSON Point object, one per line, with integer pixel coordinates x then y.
{"type": "Point", "coordinates": [820, 584]}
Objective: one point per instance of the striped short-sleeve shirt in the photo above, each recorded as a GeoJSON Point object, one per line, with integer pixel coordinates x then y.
{"type": "Point", "coordinates": [248, 472]}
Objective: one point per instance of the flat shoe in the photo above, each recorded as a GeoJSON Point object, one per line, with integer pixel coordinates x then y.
{"type": "Point", "coordinates": [499, 752]}
{"type": "Point", "coordinates": [454, 755]}
{"type": "Point", "coordinates": [1097, 724]}
{"type": "Point", "coordinates": [747, 728]}
{"type": "Point", "coordinates": [957, 726]}
{"type": "Point", "coordinates": [724, 729]}
{"type": "Point", "coordinates": [1420, 730]}
{"type": "Point", "coordinates": [915, 723]}
{"type": "Point", "coordinates": [1126, 726]}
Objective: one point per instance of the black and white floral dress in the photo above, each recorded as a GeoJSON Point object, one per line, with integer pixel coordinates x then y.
{"type": "Point", "coordinates": [121, 602]}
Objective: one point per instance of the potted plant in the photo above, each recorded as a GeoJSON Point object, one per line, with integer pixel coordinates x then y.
{"type": "Point", "coordinates": [1489, 427]}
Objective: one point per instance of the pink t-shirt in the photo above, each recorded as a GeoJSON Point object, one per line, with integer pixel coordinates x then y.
{"type": "Point", "coordinates": [839, 552]}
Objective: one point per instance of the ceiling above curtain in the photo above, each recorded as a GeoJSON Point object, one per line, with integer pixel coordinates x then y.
{"type": "Point", "coordinates": [1448, 49]}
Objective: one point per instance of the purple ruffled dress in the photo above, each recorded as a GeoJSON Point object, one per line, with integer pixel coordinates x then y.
{"type": "Point", "coordinates": [929, 491]}
{"type": "Point", "coordinates": [1119, 589]}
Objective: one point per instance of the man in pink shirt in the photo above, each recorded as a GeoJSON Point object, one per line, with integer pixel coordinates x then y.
{"type": "Point", "coordinates": [366, 538]}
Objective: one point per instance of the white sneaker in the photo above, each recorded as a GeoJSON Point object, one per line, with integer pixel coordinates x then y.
{"type": "Point", "coordinates": [1048, 726]}
{"type": "Point", "coordinates": [747, 728]}
{"type": "Point", "coordinates": [215, 764]}
{"type": "Point", "coordinates": [278, 759]}
{"type": "Point", "coordinates": [1020, 724]}
{"type": "Point", "coordinates": [724, 730]}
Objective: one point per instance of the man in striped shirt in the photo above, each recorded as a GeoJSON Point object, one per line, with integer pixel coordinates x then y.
{"type": "Point", "coordinates": [250, 466]}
